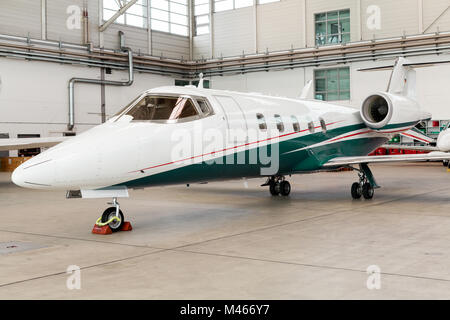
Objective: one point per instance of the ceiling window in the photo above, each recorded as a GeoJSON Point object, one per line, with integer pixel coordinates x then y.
{"type": "Point", "coordinates": [135, 16]}
{"type": "Point", "coordinates": [267, 1]}
{"type": "Point", "coordinates": [170, 16]}
{"type": "Point", "coordinates": [224, 5]}
{"type": "Point", "coordinates": [332, 27]}
{"type": "Point", "coordinates": [201, 13]}
{"type": "Point", "coordinates": [332, 84]}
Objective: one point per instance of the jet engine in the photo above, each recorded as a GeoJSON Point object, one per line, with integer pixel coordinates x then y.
{"type": "Point", "coordinates": [383, 111]}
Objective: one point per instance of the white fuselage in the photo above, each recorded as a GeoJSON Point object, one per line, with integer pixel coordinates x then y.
{"type": "Point", "coordinates": [121, 150]}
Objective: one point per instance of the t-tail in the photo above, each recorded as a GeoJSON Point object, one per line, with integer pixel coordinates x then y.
{"type": "Point", "coordinates": [397, 109]}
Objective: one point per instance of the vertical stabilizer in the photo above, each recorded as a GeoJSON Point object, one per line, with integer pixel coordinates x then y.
{"type": "Point", "coordinates": [403, 80]}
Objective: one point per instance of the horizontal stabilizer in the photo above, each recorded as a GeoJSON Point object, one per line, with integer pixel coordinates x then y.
{"type": "Point", "coordinates": [410, 64]}
{"type": "Point", "coordinates": [417, 135]}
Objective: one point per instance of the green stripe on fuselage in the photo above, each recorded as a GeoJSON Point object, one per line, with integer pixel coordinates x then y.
{"type": "Point", "coordinates": [306, 160]}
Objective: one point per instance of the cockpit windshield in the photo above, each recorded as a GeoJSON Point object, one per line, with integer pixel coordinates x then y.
{"type": "Point", "coordinates": [160, 108]}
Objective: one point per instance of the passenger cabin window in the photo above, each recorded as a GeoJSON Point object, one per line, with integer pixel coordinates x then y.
{"type": "Point", "coordinates": [311, 127]}
{"type": "Point", "coordinates": [279, 121]}
{"type": "Point", "coordinates": [156, 108]}
{"type": "Point", "coordinates": [323, 125]}
{"type": "Point", "coordinates": [295, 124]}
{"type": "Point", "coordinates": [261, 122]}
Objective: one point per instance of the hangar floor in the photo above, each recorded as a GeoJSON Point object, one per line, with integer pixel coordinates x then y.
{"type": "Point", "coordinates": [223, 240]}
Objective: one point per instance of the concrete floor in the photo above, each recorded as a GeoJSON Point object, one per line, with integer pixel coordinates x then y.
{"type": "Point", "coordinates": [226, 241]}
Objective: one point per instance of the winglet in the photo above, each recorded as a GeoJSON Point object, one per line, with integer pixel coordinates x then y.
{"type": "Point", "coordinates": [306, 90]}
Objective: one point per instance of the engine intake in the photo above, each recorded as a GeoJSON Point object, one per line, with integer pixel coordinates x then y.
{"type": "Point", "coordinates": [377, 111]}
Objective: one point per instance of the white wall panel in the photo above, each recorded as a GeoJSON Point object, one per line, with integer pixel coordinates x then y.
{"type": "Point", "coordinates": [202, 47]}
{"type": "Point", "coordinates": [397, 18]}
{"type": "Point", "coordinates": [432, 10]}
{"type": "Point", "coordinates": [21, 18]}
{"type": "Point", "coordinates": [234, 32]}
{"type": "Point", "coordinates": [44, 108]}
{"type": "Point", "coordinates": [170, 45]}
{"type": "Point", "coordinates": [280, 26]}
{"type": "Point", "coordinates": [135, 38]}
{"type": "Point", "coordinates": [57, 21]}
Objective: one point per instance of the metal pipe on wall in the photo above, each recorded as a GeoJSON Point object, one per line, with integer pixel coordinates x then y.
{"type": "Point", "coordinates": [96, 81]}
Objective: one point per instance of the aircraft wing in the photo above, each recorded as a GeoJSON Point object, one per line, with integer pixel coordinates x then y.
{"type": "Point", "coordinates": [29, 143]}
{"type": "Point", "coordinates": [347, 161]}
{"type": "Point", "coordinates": [405, 147]}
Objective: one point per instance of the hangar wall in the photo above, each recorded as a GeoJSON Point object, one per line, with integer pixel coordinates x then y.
{"type": "Point", "coordinates": [290, 24]}
{"type": "Point", "coordinates": [30, 105]}
{"type": "Point", "coordinates": [431, 94]}
{"type": "Point", "coordinates": [24, 18]}
{"type": "Point", "coordinates": [34, 96]}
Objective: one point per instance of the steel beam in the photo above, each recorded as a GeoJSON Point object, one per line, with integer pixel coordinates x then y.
{"type": "Point", "coordinates": [121, 11]}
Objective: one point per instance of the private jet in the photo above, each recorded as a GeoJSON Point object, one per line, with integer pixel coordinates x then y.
{"type": "Point", "coordinates": [187, 135]}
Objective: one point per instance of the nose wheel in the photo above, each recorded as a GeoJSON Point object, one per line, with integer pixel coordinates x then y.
{"type": "Point", "coordinates": [278, 186]}
{"type": "Point", "coordinates": [112, 220]}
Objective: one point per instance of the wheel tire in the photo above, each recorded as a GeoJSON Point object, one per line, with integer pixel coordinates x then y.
{"type": "Point", "coordinates": [274, 189]}
{"type": "Point", "coordinates": [445, 163]}
{"type": "Point", "coordinates": [356, 191]}
{"type": "Point", "coordinates": [367, 191]}
{"type": "Point", "coordinates": [108, 214]}
{"type": "Point", "coordinates": [285, 188]}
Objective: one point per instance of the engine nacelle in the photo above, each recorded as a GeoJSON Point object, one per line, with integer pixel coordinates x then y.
{"type": "Point", "coordinates": [383, 111]}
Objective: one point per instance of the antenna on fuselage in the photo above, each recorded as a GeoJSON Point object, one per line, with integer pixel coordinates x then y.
{"type": "Point", "coordinates": [200, 83]}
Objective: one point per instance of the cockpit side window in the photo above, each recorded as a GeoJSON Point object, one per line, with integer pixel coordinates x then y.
{"type": "Point", "coordinates": [159, 108]}
{"type": "Point", "coordinates": [204, 107]}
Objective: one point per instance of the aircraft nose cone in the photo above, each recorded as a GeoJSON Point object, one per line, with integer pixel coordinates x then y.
{"type": "Point", "coordinates": [34, 175]}
{"type": "Point", "coordinates": [18, 177]}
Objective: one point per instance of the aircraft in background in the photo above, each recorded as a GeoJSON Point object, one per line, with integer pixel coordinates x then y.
{"type": "Point", "coordinates": [185, 135]}
{"type": "Point", "coordinates": [442, 143]}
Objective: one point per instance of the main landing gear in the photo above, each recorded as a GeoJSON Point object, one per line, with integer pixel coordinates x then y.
{"type": "Point", "coordinates": [278, 186]}
{"type": "Point", "coordinates": [366, 185]}
{"type": "Point", "coordinates": [112, 220]}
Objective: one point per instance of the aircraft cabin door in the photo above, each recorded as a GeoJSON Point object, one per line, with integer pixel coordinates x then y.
{"type": "Point", "coordinates": [237, 125]}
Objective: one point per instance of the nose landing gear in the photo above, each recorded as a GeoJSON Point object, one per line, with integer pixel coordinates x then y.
{"type": "Point", "coordinates": [112, 220]}
{"type": "Point", "coordinates": [278, 186]}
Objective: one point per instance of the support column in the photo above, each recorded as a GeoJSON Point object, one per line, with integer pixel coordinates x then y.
{"type": "Point", "coordinates": [420, 4]}
{"type": "Point", "coordinates": [191, 28]}
{"type": "Point", "coordinates": [101, 39]}
{"type": "Point", "coordinates": [149, 28]}
{"type": "Point", "coordinates": [304, 28]}
{"type": "Point", "coordinates": [211, 27]}
{"type": "Point", "coordinates": [255, 24]}
{"type": "Point", "coordinates": [44, 19]}
{"type": "Point", "coordinates": [359, 19]}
